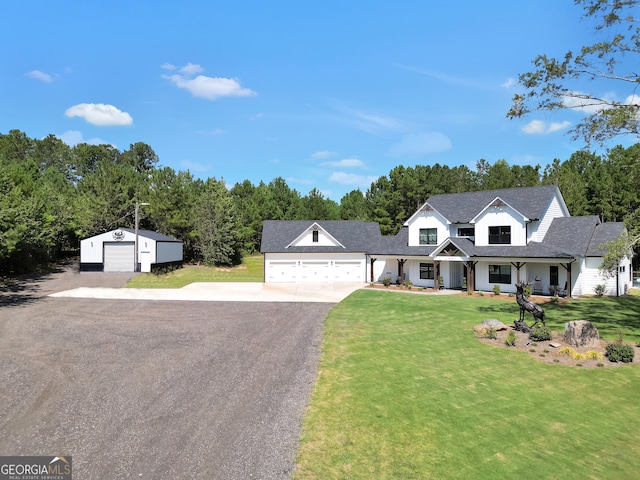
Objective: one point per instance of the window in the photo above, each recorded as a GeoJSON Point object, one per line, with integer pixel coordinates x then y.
{"type": "Point", "coordinates": [553, 275]}
{"type": "Point", "coordinates": [426, 271]}
{"type": "Point", "coordinates": [315, 236]}
{"type": "Point", "coordinates": [500, 274]}
{"type": "Point", "coordinates": [500, 235]}
{"type": "Point", "coordinates": [428, 236]}
{"type": "Point", "coordinates": [466, 232]}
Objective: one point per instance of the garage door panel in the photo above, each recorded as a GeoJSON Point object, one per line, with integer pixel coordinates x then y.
{"type": "Point", "coordinates": [282, 271]}
{"type": "Point", "coordinates": [119, 257]}
{"type": "Point", "coordinates": [348, 271]}
{"type": "Point", "coordinates": [315, 270]}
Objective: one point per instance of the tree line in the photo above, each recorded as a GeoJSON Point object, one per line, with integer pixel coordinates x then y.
{"type": "Point", "coordinates": [53, 195]}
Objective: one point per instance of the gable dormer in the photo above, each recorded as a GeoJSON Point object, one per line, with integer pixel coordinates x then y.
{"type": "Point", "coordinates": [427, 227]}
{"type": "Point", "coordinates": [498, 223]}
{"type": "Point", "coordinates": [315, 236]}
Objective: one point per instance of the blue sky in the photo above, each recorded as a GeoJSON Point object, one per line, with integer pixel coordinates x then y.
{"type": "Point", "coordinates": [328, 94]}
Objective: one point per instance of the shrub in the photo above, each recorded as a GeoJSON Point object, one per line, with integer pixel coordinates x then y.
{"type": "Point", "coordinates": [617, 352]}
{"type": "Point", "coordinates": [496, 290]}
{"type": "Point", "coordinates": [491, 333]}
{"type": "Point", "coordinates": [386, 281]}
{"type": "Point", "coordinates": [511, 294]}
{"type": "Point", "coordinates": [599, 289]}
{"type": "Point", "coordinates": [511, 339]}
{"type": "Point", "coordinates": [540, 333]}
{"type": "Point", "coordinates": [579, 356]}
{"type": "Point", "coordinates": [469, 292]}
{"type": "Point", "coordinates": [481, 294]}
{"type": "Point", "coordinates": [593, 355]}
{"type": "Point", "coordinates": [527, 290]}
{"type": "Point", "coordinates": [567, 351]}
{"type": "Point", "coordinates": [408, 284]}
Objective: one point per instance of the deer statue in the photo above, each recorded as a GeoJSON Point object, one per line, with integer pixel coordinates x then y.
{"type": "Point", "coordinates": [528, 305]}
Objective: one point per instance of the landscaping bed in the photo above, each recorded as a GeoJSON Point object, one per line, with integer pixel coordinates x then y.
{"type": "Point", "coordinates": [543, 351]}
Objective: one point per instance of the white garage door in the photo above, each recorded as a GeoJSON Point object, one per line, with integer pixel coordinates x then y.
{"type": "Point", "coordinates": [282, 271]}
{"type": "Point", "coordinates": [315, 271]}
{"type": "Point", "coordinates": [119, 257]}
{"type": "Point", "coordinates": [348, 271]}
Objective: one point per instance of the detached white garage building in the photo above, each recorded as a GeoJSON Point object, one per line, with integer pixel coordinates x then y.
{"type": "Point", "coordinates": [323, 251]}
{"type": "Point", "coordinates": [114, 251]}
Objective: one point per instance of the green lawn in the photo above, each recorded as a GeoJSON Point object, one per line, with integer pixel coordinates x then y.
{"type": "Point", "coordinates": [251, 270]}
{"type": "Point", "coordinates": [405, 390]}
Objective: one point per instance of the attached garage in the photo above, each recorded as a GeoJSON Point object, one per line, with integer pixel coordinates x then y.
{"type": "Point", "coordinates": [321, 251]}
{"type": "Point", "coordinates": [114, 251]}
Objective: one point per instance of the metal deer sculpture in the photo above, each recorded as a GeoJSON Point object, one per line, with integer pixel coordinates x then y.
{"type": "Point", "coordinates": [528, 305]}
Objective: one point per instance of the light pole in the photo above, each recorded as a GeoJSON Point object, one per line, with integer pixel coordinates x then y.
{"type": "Point", "coordinates": [136, 266]}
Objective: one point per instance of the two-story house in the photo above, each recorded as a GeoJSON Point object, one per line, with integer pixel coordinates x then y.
{"type": "Point", "coordinates": [473, 240]}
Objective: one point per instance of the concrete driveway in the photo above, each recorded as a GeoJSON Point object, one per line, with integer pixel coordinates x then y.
{"type": "Point", "coordinates": [147, 389]}
{"type": "Point", "coordinates": [228, 292]}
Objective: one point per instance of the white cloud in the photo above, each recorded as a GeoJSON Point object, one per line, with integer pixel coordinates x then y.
{"type": "Point", "coordinates": [100, 114]}
{"type": "Point", "coordinates": [212, 133]}
{"type": "Point", "coordinates": [323, 154]}
{"type": "Point", "coordinates": [586, 105]}
{"type": "Point", "coordinates": [168, 66]}
{"type": "Point", "coordinates": [194, 166]}
{"type": "Point", "coordinates": [509, 83]}
{"type": "Point", "coordinates": [555, 126]}
{"type": "Point", "coordinates": [203, 86]}
{"type": "Point", "coordinates": [302, 181]}
{"type": "Point", "coordinates": [38, 75]}
{"type": "Point", "coordinates": [344, 163]}
{"type": "Point", "coordinates": [421, 143]}
{"type": "Point", "coordinates": [534, 127]}
{"type": "Point", "coordinates": [191, 69]}
{"type": "Point", "coordinates": [373, 123]}
{"type": "Point", "coordinates": [538, 127]}
{"type": "Point", "coordinates": [345, 178]}
{"type": "Point", "coordinates": [74, 137]}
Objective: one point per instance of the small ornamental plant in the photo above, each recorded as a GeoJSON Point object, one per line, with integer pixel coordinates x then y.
{"type": "Point", "coordinates": [496, 290]}
{"type": "Point", "coordinates": [386, 281]}
{"type": "Point", "coordinates": [540, 333]}
{"type": "Point", "coordinates": [511, 339]}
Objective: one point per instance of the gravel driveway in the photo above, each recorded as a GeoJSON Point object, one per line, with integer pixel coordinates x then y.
{"type": "Point", "coordinates": [143, 389]}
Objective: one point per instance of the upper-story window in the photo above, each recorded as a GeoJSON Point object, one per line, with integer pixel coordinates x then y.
{"type": "Point", "coordinates": [466, 232]}
{"type": "Point", "coordinates": [315, 236]}
{"type": "Point", "coordinates": [500, 235]}
{"type": "Point", "coordinates": [428, 236]}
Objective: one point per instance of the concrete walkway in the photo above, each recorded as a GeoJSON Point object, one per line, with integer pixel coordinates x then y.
{"type": "Point", "coordinates": [227, 292]}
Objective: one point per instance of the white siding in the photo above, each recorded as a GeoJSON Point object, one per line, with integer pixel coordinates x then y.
{"type": "Point", "coordinates": [428, 220]}
{"type": "Point", "coordinates": [324, 240]}
{"type": "Point", "coordinates": [590, 276]}
{"type": "Point", "coordinates": [553, 211]}
{"type": "Point", "coordinates": [500, 216]}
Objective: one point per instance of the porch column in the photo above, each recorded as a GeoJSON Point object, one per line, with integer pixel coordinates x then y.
{"type": "Point", "coordinates": [436, 275]}
{"type": "Point", "coordinates": [401, 268]}
{"type": "Point", "coordinates": [518, 266]}
{"type": "Point", "coordinates": [567, 267]}
{"type": "Point", "coordinates": [373, 260]}
{"type": "Point", "coordinates": [471, 276]}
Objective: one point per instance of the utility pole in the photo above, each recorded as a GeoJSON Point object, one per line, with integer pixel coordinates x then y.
{"type": "Point", "coordinates": [136, 266]}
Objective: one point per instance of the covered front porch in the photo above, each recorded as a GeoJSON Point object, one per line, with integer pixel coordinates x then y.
{"type": "Point", "coordinates": [458, 272]}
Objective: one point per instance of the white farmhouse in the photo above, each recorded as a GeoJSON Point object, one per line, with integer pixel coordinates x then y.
{"type": "Point", "coordinates": [473, 240]}
{"type": "Point", "coordinates": [114, 251]}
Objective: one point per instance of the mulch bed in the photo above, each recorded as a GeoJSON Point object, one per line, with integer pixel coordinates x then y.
{"type": "Point", "coordinates": [543, 352]}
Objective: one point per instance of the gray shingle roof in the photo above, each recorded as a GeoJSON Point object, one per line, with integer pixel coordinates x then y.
{"type": "Point", "coordinates": [603, 233]}
{"type": "Point", "coordinates": [463, 207]}
{"type": "Point", "coordinates": [356, 236]}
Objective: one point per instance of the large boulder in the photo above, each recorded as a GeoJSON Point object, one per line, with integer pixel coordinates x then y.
{"type": "Point", "coordinates": [497, 324]}
{"type": "Point", "coordinates": [581, 333]}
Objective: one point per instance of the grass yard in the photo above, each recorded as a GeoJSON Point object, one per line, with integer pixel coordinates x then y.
{"type": "Point", "coordinates": [251, 270]}
{"type": "Point", "coordinates": [405, 390]}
